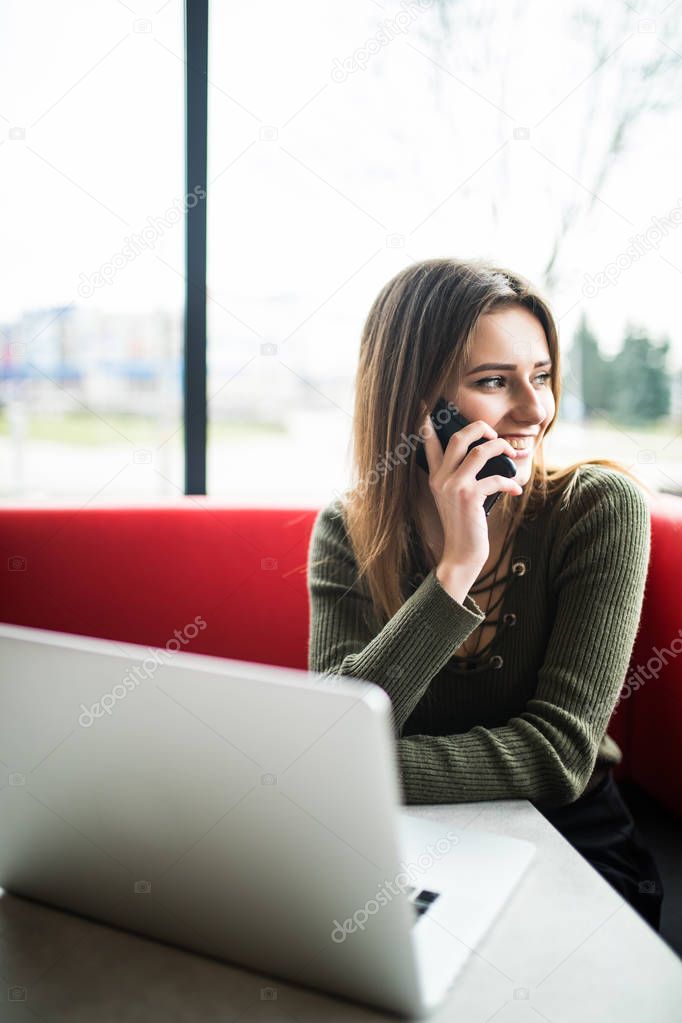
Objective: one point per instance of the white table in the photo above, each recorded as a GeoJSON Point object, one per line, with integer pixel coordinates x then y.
{"type": "Point", "coordinates": [566, 947]}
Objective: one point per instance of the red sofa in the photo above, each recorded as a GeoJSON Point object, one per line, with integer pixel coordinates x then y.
{"type": "Point", "coordinates": [140, 573]}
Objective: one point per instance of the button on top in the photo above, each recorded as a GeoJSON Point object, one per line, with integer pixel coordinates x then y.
{"type": "Point", "coordinates": [519, 568]}
{"type": "Point", "coordinates": [509, 618]}
{"type": "Point", "coordinates": [496, 661]}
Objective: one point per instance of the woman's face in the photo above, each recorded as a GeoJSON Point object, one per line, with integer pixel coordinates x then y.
{"type": "Point", "coordinates": [512, 394]}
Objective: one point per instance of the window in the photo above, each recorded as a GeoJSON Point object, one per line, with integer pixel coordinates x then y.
{"type": "Point", "coordinates": [92, 256]}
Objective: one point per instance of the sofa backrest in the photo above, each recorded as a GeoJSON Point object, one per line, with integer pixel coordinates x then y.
{"type": "Point", "coordinates": [653, 705]}
{"type": "Point", "coordinates": [142, 574]}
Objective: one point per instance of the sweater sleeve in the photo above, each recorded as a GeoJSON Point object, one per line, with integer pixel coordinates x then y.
{"type": "Point", "coordinates": [404, 656]}
{"type": "Point", "coordinates": [546, 754]}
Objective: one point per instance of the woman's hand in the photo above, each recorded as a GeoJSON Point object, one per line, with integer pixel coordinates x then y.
{"type": "Point", "coordinates": [459, 496]}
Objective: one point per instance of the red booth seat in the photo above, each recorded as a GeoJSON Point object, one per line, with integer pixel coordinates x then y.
{"type": "Point", "coordinates": [142, 574]}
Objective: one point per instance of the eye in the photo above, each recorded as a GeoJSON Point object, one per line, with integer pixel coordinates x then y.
{"type": "Point", "coordinates": [544, 377]}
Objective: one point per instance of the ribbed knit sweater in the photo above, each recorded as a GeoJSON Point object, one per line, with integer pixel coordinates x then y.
{"type": "Point", "coordinates": [530, 722]}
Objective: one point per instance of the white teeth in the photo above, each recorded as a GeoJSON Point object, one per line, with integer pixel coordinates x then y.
{"type": "Point", "coordinates": [516, 442]}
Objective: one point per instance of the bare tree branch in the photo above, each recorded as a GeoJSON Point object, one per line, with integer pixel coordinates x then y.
{"type": "Point", "coordinates": [467, 41]}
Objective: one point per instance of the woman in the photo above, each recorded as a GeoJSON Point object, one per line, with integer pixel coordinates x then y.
{"type": "Point", "coordinates": [508, 695]}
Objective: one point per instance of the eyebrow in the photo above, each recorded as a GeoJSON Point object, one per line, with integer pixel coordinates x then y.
{"type": "Point", "coordinates": [504, 365]}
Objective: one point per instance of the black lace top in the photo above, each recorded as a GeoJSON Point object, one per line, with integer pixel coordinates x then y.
{"type": "Point", "coordinates": [480, 659]}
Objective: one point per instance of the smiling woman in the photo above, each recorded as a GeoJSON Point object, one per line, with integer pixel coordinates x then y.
{"type": "Point", "coordinates": [427, 334]}
{"type": "Point", "coordinates": [512, 706]}
{"type": "Point", "coordinates": [518, 405]}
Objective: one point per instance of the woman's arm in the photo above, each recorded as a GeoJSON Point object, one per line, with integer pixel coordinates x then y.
{"type": "Point", "coordinates": [411, 648]}
{"type": "Point", "coordinates": [546, 754]}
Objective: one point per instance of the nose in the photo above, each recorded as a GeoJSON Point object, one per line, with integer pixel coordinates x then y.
{"type": "Point", "coordinates": [528, 408]}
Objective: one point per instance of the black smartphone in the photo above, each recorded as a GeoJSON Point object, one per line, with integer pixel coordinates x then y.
{"type": "Point", "coordinates": [447, 419]}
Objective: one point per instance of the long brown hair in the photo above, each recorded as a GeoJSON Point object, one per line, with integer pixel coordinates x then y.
{"type": "Point", "coordinates": [417, 339]}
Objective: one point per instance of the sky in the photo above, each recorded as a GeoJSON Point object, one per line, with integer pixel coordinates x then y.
{"type": "Point", "coordinates": [338, 153]}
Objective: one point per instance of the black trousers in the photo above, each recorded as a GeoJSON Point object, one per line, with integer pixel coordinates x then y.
{"type": "Point", "coordinates": [600, 827]}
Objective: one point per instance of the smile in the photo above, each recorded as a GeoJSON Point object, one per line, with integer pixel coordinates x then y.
{"type": "Point", "coordinates": [522, 444]}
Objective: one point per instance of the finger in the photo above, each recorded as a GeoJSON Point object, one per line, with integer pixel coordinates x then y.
{"type": "Point", "coordinates": [482, 453]}
{"type": "Point", "coordinates": [472, 431]}
{"type": "Point", "coordinates": [479, 428]}
{"type": "Point", "coordinates": [493, 484]}
{"type": "Point", "coordinates": [461, 441]}
{"type": "Point", "coordinates": [496, 446]}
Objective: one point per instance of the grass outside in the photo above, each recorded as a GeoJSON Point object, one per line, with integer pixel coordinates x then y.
{"type": "Point", "coordinates": [89, 429]}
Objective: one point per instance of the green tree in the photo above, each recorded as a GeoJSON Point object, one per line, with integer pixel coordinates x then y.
{"type": "Point", "coordinates": [590, 371]}
{"type": "Point", "coordinates": [639, 379]}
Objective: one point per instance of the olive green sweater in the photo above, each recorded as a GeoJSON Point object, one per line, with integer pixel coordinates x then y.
{"type": "Point", "coordinates": [529, 722]}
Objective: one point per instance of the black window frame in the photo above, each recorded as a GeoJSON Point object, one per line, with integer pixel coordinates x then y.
{"type": "Point", "coordinates": [194, 333]}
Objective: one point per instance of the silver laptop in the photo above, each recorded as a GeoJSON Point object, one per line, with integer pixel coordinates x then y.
{"type": "Point", "coordinates": [246, 812]}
